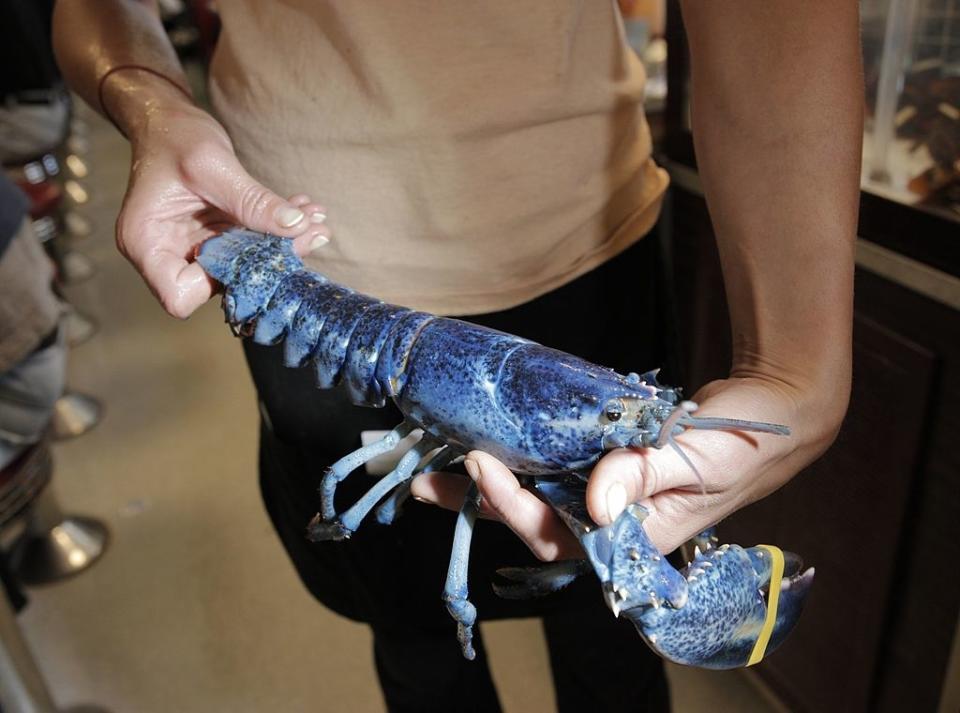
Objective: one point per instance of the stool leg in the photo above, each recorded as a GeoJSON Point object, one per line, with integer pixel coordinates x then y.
{"type": "Point", "coordinates": [73, 266]}
{"type": "Point", "coordinates": [74, 414]}
{"type": "Point", "coordinates": [57, 546]}
{"type": "Point", "coordinates": [79, 327]}
{"type": "Point", "coordinates": [23, 689]}
{"type": "Point", "coordinates": [77, 226]}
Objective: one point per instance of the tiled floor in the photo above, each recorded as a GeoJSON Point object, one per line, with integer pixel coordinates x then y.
{"type": "Point", "coordinates": [195, 608]}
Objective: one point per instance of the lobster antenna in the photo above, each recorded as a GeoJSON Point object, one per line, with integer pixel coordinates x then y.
{"type": "Point", "coordinates": [665, 437]}
{"type": "Point", "coordinates": [732, 424]}
{"type": "Point", "coordinates": [682, 411]}
{"type": "Point", "coordinates": [686, 459]}
{"type": "Point", "coordinates": [680, 416]}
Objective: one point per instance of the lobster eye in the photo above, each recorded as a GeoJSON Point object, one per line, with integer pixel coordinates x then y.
{"type": "Point", "coordinates": [614, 410]}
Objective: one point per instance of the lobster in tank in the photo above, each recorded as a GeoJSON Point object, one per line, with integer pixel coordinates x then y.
{"type": "Point", "coordinates": [545, 414]}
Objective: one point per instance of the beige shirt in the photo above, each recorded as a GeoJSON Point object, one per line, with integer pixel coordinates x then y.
{"type": "Point", "coordinates": [471, 156]}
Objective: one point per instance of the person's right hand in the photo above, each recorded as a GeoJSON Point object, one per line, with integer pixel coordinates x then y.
{"type": "Point", "coordinates": [187, 185]}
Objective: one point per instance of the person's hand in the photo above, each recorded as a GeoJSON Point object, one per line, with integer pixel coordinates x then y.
{"type": "Point", "coordinates": [187, 185]}
{"type": "Point", "coordinates": [737, 468]}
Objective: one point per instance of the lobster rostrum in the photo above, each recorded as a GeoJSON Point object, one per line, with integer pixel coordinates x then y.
{"type": "Point", "coordinates": [545, 414]}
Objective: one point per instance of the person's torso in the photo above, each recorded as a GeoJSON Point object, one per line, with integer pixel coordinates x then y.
{"type": "Point", "coordinates": [470, 156]}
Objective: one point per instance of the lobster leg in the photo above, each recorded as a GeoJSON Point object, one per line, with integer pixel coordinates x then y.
{"type": "Point", "coordinates": [344, 525]}
{"type": "Point", "coordinates": [390, 508]}
{"type": "Point", "coordinates": [455, 590]}
{"type": "Point", "coordinates": [700, 543]}
{"type": "Point", "coordinates": [707, 540]}
{"type": "Point", "coordinates": [350, 462]}
{"type": "Point", "coordinates": [529, 582]}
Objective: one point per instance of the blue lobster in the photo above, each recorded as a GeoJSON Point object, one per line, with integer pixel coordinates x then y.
{"type": "Point", "coordinates": [545, 414]}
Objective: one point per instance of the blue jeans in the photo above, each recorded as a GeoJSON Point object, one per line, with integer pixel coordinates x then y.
{"type": "Point", "coordinates": [28, 393]}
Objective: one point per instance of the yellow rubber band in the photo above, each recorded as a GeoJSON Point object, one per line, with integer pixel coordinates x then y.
{"type": "Point", "coordinates": [776, 577]}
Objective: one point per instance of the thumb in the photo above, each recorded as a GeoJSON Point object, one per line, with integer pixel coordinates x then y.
{"type": "Point", "coordinates": [624, 476]}
{"type": "Point", "coordinates": [229, 187]}
{"type": "Point", "coordinates": [627, 476]}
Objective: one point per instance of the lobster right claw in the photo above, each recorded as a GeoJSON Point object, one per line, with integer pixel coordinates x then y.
{"type": "Point", "coordinates": [794, 588]}
{"type": "Point", "coordinates": [716, 612]}
{"type": "Point", "coordinates": [730, 619]}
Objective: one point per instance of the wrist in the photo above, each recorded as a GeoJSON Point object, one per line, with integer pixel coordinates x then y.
{"type": "Point", "coordinates": [813, 397]}
{"type": "Point", "coordinates": [133, 97]}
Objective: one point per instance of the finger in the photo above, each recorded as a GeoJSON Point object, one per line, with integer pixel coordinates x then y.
{"type": "Point", "coordinates": [528, 516]}
{"type": "Point", "coordinates": [313, 239]}
{"type": "Point", "coordinates": [225, 184]}
{"type": "Point", "coordinates": [316, 213]}
{"type": "Point", "coordinates": [626, 476]}
{"type": "Point", "coordinates": [319, 234]}
{"type": "Point", "coordinates": [446, 490]}
{"type": "Point", "coordinates": [181, 287]}
{"type": "Point", "coordinates": [675, 518]}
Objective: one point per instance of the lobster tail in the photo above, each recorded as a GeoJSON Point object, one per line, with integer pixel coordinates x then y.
{"type": "Point", "coordinates": [344, 336]}
{"type": "Point", "coordinates": [273, 325]}
{"type": "Point", "coordinates": [252, 269]}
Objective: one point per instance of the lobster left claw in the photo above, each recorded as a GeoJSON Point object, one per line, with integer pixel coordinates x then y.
{"type": "Point", "coordinates": [717, 612]}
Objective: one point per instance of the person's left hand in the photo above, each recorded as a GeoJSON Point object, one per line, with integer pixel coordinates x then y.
{"type": "Point", "coordinates": [737, 469]}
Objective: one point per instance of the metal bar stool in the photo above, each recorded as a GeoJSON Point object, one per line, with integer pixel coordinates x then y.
{"type": "Point", "coordinates": [50, 548]}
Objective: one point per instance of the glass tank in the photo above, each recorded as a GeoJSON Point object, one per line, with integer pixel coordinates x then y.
{"type": "Point", "coordinates": [911, 150]}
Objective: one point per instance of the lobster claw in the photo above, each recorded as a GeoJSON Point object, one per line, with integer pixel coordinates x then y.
{"type": "Point", "coordinates": [794, 585]}
{"type": "Point", "coordinates": [631, 569]}
{"type": "Point", "coordinates": [716, 612]}
{"type": "Point", "coordinates": [730, 619]}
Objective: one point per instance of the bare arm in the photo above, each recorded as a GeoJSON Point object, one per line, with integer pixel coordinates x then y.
{"type": "Point", "coordinates": [777, 97]}
{"type": "Point", "coordinates": [93, 38]}
{"type": "Point", "coordinates": [186, 183]}
{"type": "Point", "coordinates": [777, 115]}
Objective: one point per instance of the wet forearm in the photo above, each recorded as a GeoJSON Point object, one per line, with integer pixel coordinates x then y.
{"type": "Point", "coordinates": [94, 37]}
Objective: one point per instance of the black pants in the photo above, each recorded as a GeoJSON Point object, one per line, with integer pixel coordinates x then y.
{"type": "Point", "coordinates": [392, 577]}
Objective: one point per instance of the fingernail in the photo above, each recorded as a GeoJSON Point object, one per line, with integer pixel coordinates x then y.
{"type": "Point", "coordinates": [616, 500]}
{"type": "Point", "coordinates": [318, 242]}
{"type": "Point", "coordinates": [422, 500]}
{"type": "Point", "coordinates": [473, 470]}
{"type": "Point", "coordinates": [318, 217]}
{"type": "Point", "coordinates": [288, 216]}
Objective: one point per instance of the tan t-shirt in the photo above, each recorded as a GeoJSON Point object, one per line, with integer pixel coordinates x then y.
{"type": "Point", "coordinates": [471, 156]}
